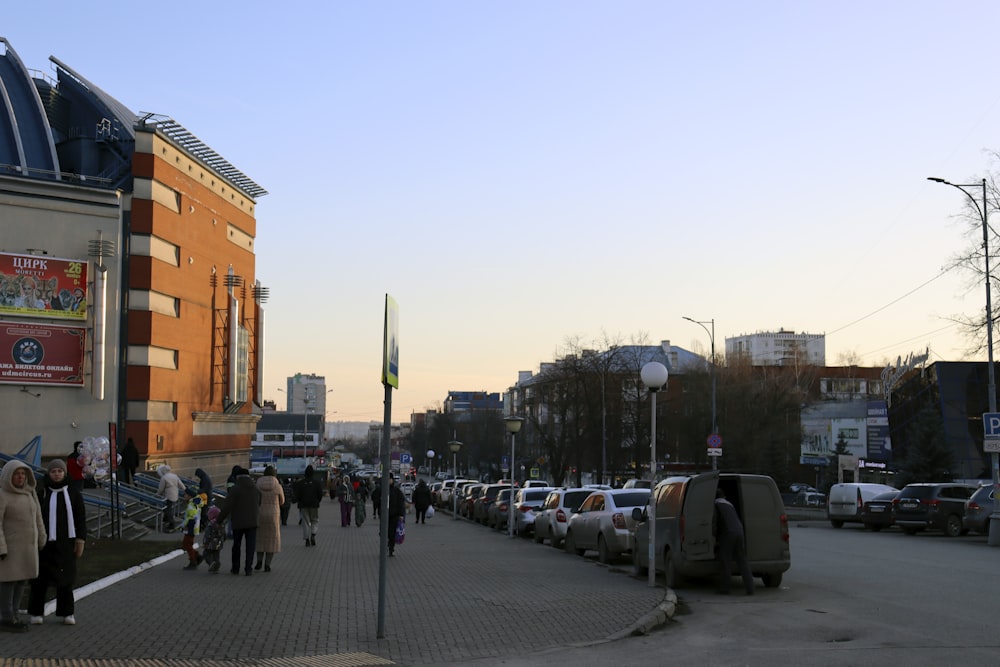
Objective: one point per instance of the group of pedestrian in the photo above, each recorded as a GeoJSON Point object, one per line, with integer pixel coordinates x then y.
{"type": "Point", "coordinates": [43, 531]}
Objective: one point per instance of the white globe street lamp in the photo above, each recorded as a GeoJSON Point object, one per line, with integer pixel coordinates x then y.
{"type": "Point", "coordinates": [654, 377]}
{"type": "Point", "coordinates": [513, 425]}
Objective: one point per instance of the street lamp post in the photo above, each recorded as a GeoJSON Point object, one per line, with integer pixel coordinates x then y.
{"type": "Point", "coordinates": [513, 425]}
{"type": "Point", "coordinates": [454, 446]}
{"type": "Point", "coordinates": [994, 532]}
{"type": "Point", "coordinates": [654, 376]}
{"type": "Point", "coordinates": [711, 336]}
{"type": "Point", "coordinates": [430, 459]}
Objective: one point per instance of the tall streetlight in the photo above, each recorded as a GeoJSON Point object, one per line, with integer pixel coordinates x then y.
{"type": "Point", "coordinates": [454, 446]}
{"type": "Point", "coordinates": [513, 425]}
{"type": "Point", "coordinates": [654, 376]}
{"type": "Point", "coordinates": [994, 534]}
{"type": "Point", "coordinates": [711, 336]}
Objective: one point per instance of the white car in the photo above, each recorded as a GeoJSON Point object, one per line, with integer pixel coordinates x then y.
{"type": "Point", "coordinates": [553, 517]}
{"type": "Point", "coordinates": [605, 523]}
{"type": "Point", "coordinates": [527, 503]}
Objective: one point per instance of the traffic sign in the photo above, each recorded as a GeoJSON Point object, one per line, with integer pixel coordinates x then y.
{"type": "Point", "coordinates": [991, 446]}
{"type": "Point", "coordinates": [405, 458]}
{"type": "Point", "coordinates": [715, 440]}
{"type": "Point", "coordinates": [991, 424]}
{"type": "Point", "coordinates": [715, 451]}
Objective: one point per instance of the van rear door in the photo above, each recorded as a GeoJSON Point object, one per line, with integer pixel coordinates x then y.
{"type": "Point", "coordinates": [699, 511]}
{"type": "Point", "coordinates": [762, 509]}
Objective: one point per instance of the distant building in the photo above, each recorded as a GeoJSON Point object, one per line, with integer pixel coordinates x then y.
{"type": "Point", "coordinates": [778, 348]}
{"type": "Point", "coordinates": [306, 393]}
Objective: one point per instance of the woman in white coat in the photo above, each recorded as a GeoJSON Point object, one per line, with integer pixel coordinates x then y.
{"type": "Point", "coordinates": [22, 536]}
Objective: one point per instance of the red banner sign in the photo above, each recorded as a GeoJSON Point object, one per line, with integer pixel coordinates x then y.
{"type": "Point", "coordinates": [41, 286]}
{"type": "Point", "coordinates": [41, 354]}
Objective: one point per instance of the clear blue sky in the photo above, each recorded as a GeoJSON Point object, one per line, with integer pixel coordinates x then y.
{"type": "Point", "coordinates": [516, 174]}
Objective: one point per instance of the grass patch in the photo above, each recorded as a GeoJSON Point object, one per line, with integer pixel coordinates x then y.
{"type": "Point", "coordinates": [104, 557]}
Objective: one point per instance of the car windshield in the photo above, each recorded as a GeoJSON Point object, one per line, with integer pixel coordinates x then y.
{"type": "Point", "coordinates": [535, 495]}
{"type": "Point", "coordinates": [636, 499]}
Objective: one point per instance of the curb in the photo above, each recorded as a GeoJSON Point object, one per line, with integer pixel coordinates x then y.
{"type": "Point", "coordinates": [656, 618]}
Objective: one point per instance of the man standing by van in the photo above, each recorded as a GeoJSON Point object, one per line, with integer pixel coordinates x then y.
{"type": "Point", "coordinates": [729, 538]}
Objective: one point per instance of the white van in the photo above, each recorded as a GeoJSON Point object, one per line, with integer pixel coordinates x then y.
{"type": "Point", "coordinates": [685, 543]}
{"type": "Point", "coordinates": [844, 502]}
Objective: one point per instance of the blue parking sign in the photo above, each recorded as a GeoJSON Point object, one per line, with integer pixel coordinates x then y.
{"type": "Point", "coordinates": [991, 424]}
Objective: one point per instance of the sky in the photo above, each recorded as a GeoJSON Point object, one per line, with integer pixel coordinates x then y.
{"type": "Point", "coordinates": [518, 175]}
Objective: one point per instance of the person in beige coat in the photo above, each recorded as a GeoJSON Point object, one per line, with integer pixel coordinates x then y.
{"type": "Point", "coordinates": [22, 536]}
{"type": "Point", "coordinates": [272, 497]}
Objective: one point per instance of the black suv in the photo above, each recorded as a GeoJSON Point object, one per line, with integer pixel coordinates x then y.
{"type": "Point", "coordinates": [932, 505]}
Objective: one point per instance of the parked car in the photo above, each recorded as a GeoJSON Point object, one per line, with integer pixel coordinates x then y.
{"type": "Point", "coordinates": [527, 503]}
{"type": "Point", "coordinates": [552, 519]}
{"type": "Point", "coordinates": [877, 513]}
{"type": "Point", "coordinates": [809, 499]}
{"type": "Point", "coordinates": [448, 487]}
{"type": "Point", "coordinates": [939, 505]}
{"type": "Point", "coordinates": [481, 508]}
{"type": "Point", "coordinates": [638, 484]}
{"type": "Point", "coordinates": [469, 495]}
{"type": "Point", "coordinates": [685, 541]}
{"type": "Point", "coordinates": [978, 509]}
{"type": "Point", "coordinates": [435, 493]}
{"type": "Point", "coordinates": [535, 484]}
{"type": "Point", "coordinates": [844, 502]}
{"type": "Point", "coordinates": [497, 512]}
{"type": "Point", "coordinates": [605, 523]}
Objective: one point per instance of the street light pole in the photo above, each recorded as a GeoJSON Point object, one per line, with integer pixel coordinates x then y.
{"type": "Point", "coordinates": [994, 532]}
{"type": "Point", "coordinates": [513, 425]}
{"type": "Point", "coordinates": [654, 376]}
{"type": "Point", "coordinates": [711, 335]}
{"type": "Point", "coordinates": [454, 446]}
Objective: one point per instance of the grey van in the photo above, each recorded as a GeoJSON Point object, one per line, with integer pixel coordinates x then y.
{"type": "Point", "coordinates": [685, 511]}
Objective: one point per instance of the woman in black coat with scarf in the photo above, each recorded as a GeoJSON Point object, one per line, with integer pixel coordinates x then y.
{"type": "Point", "coordinates": [65, 519]}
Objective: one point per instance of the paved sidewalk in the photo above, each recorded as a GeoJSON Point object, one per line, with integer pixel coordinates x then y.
{"type": "Point", "coordinates": [456, 592]}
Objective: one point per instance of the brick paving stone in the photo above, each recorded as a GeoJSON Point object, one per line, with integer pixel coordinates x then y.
{"type": "Point", "coordinates": [456, 592]}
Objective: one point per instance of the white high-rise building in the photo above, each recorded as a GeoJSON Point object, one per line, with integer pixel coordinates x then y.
{"type": "Point", "coordinates": [778, 348]}
{"type": "Point", "coordinates": [306, 394]}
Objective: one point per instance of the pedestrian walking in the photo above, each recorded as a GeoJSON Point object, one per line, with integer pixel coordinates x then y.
{"type": "Point", "coordinates": [130, 462]}
{"type": "Point", "coordinates": [243, 507]}
{"type": "Point", "coordinates": [214, 538]}
{"type": "Point", "coordinates": [309, 492]}
{"type": "Point", "coordinates": [74, 467]}
{"type": "Point", "coordinates": [377, 499]}
{"type": "Point", "coordinates": [360, 498]}
{"type": "Point", "coordinates": [729, 538]}
{"type": "Point", "coordinates": [286, 488]}
{"type": "Point", "coordinates": [272, 497]}
{"type": "Point", "coordinates": [397, 512]}
{"type": "Point", "coordinates": [191, 527]}
{"type": "Point", "coordinates": [22, 536]}
{"type": "Point", "coordinates": [171, 489]}
{"type": "Point", "coordinates": [65, 520]}
{"type": "Point", "coordinates": [345, 496]}
{"type": "Point", "coordinates": [421, 501]}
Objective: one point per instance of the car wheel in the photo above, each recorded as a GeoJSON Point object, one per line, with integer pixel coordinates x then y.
{"type": "Point", "coordinates": [953, 526]}
{"type": "Point", "coordinates": [538, 537]}
{"type": "Point", "coordinates": [638, 569]}
{"type": "Point", "coordinates": [772, 579]}
{"type": "Point", "coordinates": [556, 542]}
{"type": "Point", "coordinates": [910, 531]}
{"type": "Point", "coordinates": [875, 529]}
{"type": "Point", "coordinates": [836, 523]}
{"type": "Point", "coordinates": [670, 578]}
{"type": "Point", "coordinates": [570, 545]}
{"type": "Point", "coordinates": [603, 555]}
